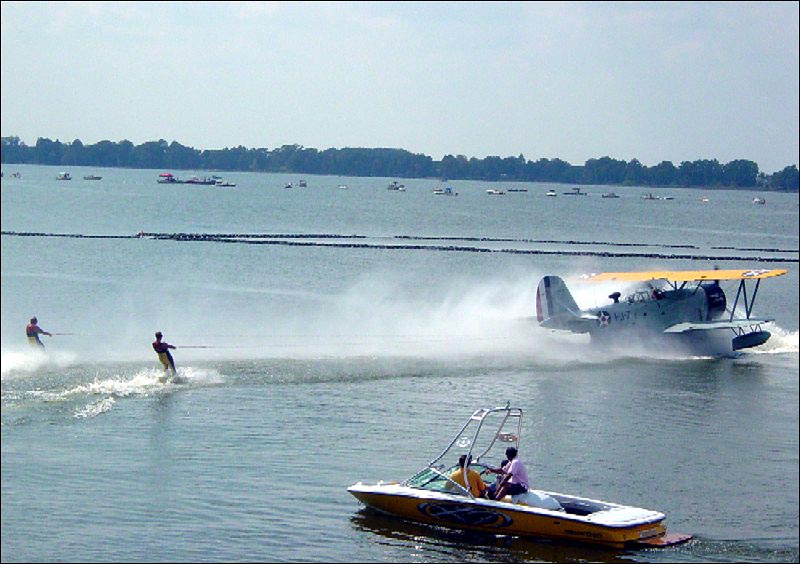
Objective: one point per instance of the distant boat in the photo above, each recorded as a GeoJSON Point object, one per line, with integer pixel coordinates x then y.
{"type": "Point", "coordinates": [446, 191]}
{"type": "Point", "coordinates": [396, 186]}
{"type": "Point", "coordinates": [167, 178]}
{"type": "Point", "coordinates": [576, 192]}
{"type": "Point", "coordinates": [92, 177]}
{"type": "Point", "coordinates": [551, 193]}
{"type": "Point", "coordinates": [494, 192]}
{"type": "Point", "coordinates": [650, 196]}
{"type": "Point", "coordinates": [704, 200]}
{"type": "Point", "coordinates": [302, 184]}
{"type": "Point", "coordinates": [205, 181]}
{"type": "Point", "coordinates": [225, 183]}
{"type": "Point", "coordinates": [609, 195]}
{"type": "Point", "coordinates": [517, 189]}
{"type": "Point", "coordinates": [343, 186]}
{"type": "Point", "coordinates": [758, 200]}
{"type": "Point", "coordinates": [288, 185]}
{"type": "Point", "coordinates": [63, 176]}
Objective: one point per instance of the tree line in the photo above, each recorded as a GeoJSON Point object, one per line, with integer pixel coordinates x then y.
{"type": "Point", "coordinates": [388, 162]}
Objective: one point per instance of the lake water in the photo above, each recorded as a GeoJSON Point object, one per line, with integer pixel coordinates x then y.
{"type": "Point", "coordinates": [349, 345]}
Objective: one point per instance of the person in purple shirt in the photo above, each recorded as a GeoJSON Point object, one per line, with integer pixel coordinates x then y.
{"type": "Point", "coordinates": [514, 479]}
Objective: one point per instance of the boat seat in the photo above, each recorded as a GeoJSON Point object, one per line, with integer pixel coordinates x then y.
{"type": "Point", "coordinates": [536, 498]}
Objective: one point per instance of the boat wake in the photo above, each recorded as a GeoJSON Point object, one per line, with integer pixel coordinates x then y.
{"type": "Point", "coordinates": [70, 393]}
{"type": "Point", "coordinates": [781, 342]}
{"type": "Point", "coordinates": [24, 362]}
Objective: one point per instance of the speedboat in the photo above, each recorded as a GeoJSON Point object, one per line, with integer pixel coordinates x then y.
{"type": "Point", "coordinates": [551, 193]}
{"type": "Point", "coordinates": [758, 200]}
{"type": "Point", "coordinates": [63, 176]}
{"type": "Point", "coordinates": [495, 192]}
{"type": "Point", "coordinates": [431, 497]}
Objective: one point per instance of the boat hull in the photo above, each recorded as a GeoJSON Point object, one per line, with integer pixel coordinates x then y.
{"type": "Point", "coordinates": [629, 525]}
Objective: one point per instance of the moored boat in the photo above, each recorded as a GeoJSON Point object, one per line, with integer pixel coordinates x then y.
{"type": "Point", "coordinates": [167, 178]}
{"type": "Point", "coordinates": [446, 191]}
{"type": "Point", "coordinates": [204, 181]}
{"type": "Point", "coordinates": [576, 192]}
{"type": "Point", "coordinates": [431, 496]}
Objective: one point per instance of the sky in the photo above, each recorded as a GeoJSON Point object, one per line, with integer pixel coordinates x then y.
{"type": "Point", "coordinates": [654, 81]}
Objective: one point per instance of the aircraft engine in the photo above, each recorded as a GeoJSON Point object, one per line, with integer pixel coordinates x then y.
{"type": "Point", "coordinates": [716, 299]}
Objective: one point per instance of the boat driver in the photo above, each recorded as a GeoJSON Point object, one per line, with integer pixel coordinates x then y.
{"type": "Point", "coordinates": [514, 479]}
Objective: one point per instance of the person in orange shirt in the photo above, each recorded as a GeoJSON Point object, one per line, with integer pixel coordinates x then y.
{"type": "Point", "coordinates": [476, 486]}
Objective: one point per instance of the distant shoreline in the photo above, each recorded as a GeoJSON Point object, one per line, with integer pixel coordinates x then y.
{"type": "Point", "coordinates": [399, 163]}
{"type": "Point", "coordinates": [604, 187]}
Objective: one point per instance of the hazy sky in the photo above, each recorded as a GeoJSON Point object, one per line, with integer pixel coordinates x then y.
{"type": "Point", "coordinates": [655, 81]}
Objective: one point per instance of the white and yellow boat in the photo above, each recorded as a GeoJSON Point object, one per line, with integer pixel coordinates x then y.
{"type": "Point", "coordinates": [430, 496]}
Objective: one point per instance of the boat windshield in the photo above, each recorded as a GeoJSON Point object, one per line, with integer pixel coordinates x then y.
{"type": "Point", "coordinates": [437, 480]}
{"type": "Point", "coordinates": [430, 479]}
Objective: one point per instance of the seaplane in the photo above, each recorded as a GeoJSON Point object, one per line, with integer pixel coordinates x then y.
{"type": "Point", "coordinates": [675, 311]}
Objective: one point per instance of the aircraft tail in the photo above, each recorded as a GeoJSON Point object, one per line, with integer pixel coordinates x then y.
{"type": "Point", "coordinates": [556, 308]}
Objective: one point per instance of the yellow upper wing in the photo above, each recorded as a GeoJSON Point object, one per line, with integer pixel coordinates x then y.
{"type": "Point", "coordinates": [681, 275]}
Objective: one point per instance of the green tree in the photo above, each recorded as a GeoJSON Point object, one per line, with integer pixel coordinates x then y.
{"type": "Point", "coordinates": [786, 179]}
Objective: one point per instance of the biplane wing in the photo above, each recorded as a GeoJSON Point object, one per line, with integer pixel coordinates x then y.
{"type": "Point", "coordinates": [709, 325]}
{"type": "Point", "coordinates": [682, 275]}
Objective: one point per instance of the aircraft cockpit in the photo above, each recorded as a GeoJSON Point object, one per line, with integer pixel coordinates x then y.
{"type": "Point", "coordinates": [644, 295]}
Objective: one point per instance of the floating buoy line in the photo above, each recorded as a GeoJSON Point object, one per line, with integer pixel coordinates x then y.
{"type": "Point", "coordinates": [360, 242]}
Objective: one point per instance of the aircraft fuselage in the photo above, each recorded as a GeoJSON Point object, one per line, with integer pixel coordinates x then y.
{"type": "Point", "coordinates": [648, 312]}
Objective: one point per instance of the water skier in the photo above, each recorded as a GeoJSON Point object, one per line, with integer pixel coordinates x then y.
{"type": "Point", "coordinates": [32, 331]}
{"type": "Point", "coordinates": [164, 356]}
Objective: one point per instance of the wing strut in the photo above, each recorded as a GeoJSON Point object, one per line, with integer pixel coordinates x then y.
{"type": "Point", "coordinates": [742, 291]}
